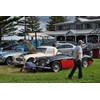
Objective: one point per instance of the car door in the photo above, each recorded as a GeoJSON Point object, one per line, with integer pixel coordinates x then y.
{"type": "Point", "coordinates": [65, 48]}
{"type": "Point", "coordinates": [69, 49]}
{"type": "Point", "coordinates": [61, 48]}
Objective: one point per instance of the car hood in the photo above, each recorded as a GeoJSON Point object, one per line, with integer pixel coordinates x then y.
{"type": "Point", "coordinates": [39, 54]}
{"type": "Point", "coordinates": [3, 52]}
{"type": "Point", "coordinates": [29, 45]}
{"type": "Point", "coordinates": [87, 56]}
{"type": "Point", "coordinates": [60, 56]}
{"type": "Point", "coordinates": [10, 53]}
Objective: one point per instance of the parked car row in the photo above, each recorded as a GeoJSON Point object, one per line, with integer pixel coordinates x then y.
{"type": "Point", "coordinates": [54, 58]}
{"type": "Point", "coordinates": [48, 57]}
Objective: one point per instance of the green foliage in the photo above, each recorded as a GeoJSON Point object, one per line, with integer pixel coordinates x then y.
{"type": "Point", "coordinates": [33, 24]}
{"type": "Point", "coordinates": [7, 25]}
{"type": "Point", "coordinates": [30, 24]}
{"type": "Point", "coordinates": [53, 20]}
{"type": "Point", "coordinates": [11, 74]}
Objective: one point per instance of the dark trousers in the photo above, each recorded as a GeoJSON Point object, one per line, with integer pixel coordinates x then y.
{"type": "Point", "coordinates": [78, 64]}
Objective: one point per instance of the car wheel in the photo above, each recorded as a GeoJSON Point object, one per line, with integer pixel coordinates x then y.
{"type": "Point", "coordinates": [91, 54]}
{"type": "Point", "coordinates": [85, 63]}
{"type": "Point", "coordinates": [31, 60]}
{"type": "Point", "coordinates": [42, 63]}
{"type": "Point", "coordinates": [56, 66]}
{"type": "Point", "coordinates": [9, 61]}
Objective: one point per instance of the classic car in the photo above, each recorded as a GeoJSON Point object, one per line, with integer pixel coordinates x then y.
{"type": "Point", "coordinates": [40, 52]}
{"type": "Point", "coordinates": [8, 56]}
{"type": "Point", "coordinates": [61, 61]}
{"type": "Point", "coordinates": [88, 48]}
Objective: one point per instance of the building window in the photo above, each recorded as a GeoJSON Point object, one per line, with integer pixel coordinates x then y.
{"type": "Point", "coordinates": [68, 27]}
{"type": "Point", "coordinates": [88, 26]}
{"type": "Point", "coordinates": [92, 38]}
{"type": "Point", "coordinates": [97, 25]}
{"type": "Point", "coordinates": [70, 38]}
{"type": "Point", "coordinates": [79, 26]}
{"type": "Point", "coordinates": [60, 38]}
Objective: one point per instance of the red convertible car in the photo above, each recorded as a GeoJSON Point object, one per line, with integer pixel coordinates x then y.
{"type": "Point", "coordinates": [61, 61]}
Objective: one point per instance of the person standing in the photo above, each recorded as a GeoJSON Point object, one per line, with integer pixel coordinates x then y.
{"type": "Point", "coordinates": [77, 56]}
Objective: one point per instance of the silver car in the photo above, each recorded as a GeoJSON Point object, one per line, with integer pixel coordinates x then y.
{"type": "Point", "coordinates": [7, 56]}
{"type": "Point", "coordinates": [65, 48]}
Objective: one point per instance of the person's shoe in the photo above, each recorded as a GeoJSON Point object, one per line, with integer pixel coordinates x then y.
{"type": "Point", "coordinates": [21, 70]}
{"type": "Point", "coordinates": [69, 77]}
{"type": "Point", "coordinates": [79, 77]}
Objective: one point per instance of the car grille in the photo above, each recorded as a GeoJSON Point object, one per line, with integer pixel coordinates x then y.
{"type": "Point", "coordinates": [19, 59]}
{"type": "Point", "coordinates": [0, 58]}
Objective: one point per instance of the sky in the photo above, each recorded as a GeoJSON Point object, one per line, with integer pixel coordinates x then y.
{"type": "Point", "coordinates": [45, 19]}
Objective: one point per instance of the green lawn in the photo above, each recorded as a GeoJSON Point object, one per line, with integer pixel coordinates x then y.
{"type": "Point", "coordinates": [11, 74]}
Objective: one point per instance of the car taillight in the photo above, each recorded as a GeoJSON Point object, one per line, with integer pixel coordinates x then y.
{"type": "Point", "coordinates": [90, 62]}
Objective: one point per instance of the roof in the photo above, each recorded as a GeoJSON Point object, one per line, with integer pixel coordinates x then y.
{"type": "Point", "coordinates": [53, 33]}
{"type": "Point", "coordinates": [96, 31]}
{"type": "Point", "coordinates": [38, 34]}
{"type": "Point", "coordinates": [80, 19]}
{"type": "Point", "coordinates": [46, 47]}
{"type": "Point", "coordinates": [77, 32]}
{"type": "Point", "coordinates": [83, 19]}
{"type": "Point", "coordinates": [88, 20]}
{"type": "Point", "coordinates": [67, 22]}
{"type": "Point", "coordinates": [74, 32]}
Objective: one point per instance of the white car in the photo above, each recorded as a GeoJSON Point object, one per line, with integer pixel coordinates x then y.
{"type": "Point", "coordinates": [65, 48]}
{"type": "Point", "coordinates": [40, 52]}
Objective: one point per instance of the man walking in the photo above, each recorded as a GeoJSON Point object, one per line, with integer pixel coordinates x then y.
{"type": "Point", "coordinates": [78, 55]}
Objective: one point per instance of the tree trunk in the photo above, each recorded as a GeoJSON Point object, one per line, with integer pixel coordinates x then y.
{"type": "Point", "coordinates": [0, 35]}
{"type": "Point", "coordinates": [0, 38]}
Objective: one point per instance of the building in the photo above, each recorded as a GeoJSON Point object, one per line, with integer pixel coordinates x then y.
{"type": "Point", "coordinates": [87, 29]}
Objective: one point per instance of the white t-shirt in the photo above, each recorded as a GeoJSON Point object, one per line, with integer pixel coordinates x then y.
{"type": "Point", "coordinates": [78, 49]}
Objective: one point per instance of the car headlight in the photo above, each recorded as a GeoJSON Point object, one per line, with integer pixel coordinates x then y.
{"type": "Point", "coordinates": [48, 61]}
{"type": "Point", "coordinates": [34, 60]}
{"type": "Point", "coordinates": [20, 59]}
{"type": "Point", "coordinates": [37, 63]}
{"type": "Point", "coordinates": [1, 56]}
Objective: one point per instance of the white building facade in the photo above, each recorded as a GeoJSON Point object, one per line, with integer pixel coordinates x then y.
{"type": "Point", "coordinates": [87, 29]}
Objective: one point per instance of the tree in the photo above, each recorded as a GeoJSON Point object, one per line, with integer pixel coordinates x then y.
{"type": "Point", "coordinates": [7, 25]}
{"type": "Point", "coordinates": [33, 24]}
{"type": "Point", "coordinates": [30, 24]}
{"type": "Point", "coordinates": [53, 20]}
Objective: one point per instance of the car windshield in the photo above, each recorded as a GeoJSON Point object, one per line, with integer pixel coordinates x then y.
{"type": "Point", "coordinates": [88, 46]}
{"type": "Point", "coordinates": [91, 46]}
{"type": "Point", "coordinates": [97, 46]}
{"type": "Point", "coordinates": [18, 49]}
{"type": "Point", "coordinates": [41, 50]}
